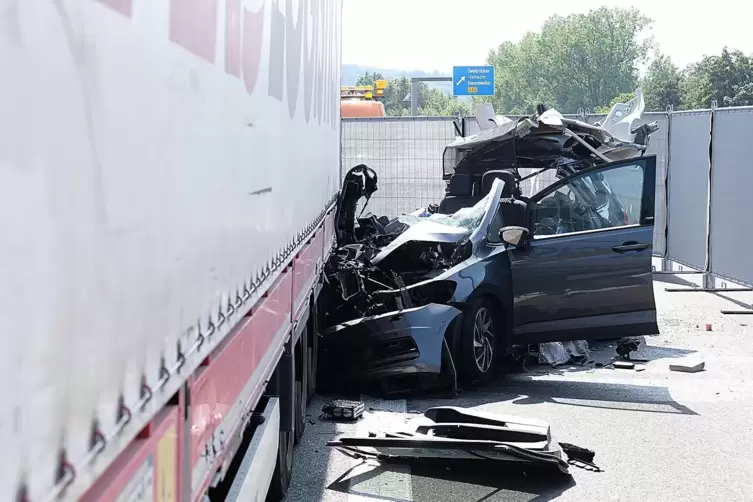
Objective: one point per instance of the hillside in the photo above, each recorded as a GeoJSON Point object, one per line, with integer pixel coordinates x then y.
{"type": "Point", "coordinates": [351, 73]}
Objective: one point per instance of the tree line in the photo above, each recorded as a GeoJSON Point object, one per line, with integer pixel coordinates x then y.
{"type": "Point", "coordinates": [590, 61]}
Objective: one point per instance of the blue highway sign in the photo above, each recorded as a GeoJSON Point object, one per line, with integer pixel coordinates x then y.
{"type": "Point", "coordinates": [473, 80]}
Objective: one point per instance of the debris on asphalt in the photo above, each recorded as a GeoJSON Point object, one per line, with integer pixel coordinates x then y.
{"type": "Point", "coordinates": [580, 457]}
{"type": "Point", "coordinates": [454, 433]}
{"type": "Point", "coordinates": [626, 346]}
{"type": "Point", "coordinates": [558, 353]}
{"type": "Point", "coordinates": [690, 366]}
{"type": "Point", "coordinates": [623, 365]}
{"type": "Point", "coordinates": [342, 409]}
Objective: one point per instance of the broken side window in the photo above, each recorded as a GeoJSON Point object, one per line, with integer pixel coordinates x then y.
{"type": "Point", "coordinates": [496, 225]}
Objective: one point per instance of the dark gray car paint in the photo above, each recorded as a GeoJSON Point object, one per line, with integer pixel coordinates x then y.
{"type": "Point", "coordinates": [556, 288]}
{"type": "Point", "coordinates": [585, 284]}
{"type": "Point", "coordinates": [354, 342]}
{"type": "Point", "coordinates": [571, 286]}
{"type": "Point", "coordinates": [566, 285]}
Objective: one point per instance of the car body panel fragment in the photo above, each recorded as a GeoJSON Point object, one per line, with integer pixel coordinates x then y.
{"type": "Point", "coordinates": [455, 433]}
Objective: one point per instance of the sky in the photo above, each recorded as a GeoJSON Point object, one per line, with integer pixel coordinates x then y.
{"type": "Point", "coordinates": [434, 35]}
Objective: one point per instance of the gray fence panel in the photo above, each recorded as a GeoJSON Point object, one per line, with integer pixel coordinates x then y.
{"type": "Point", "coordinates": [731, 190]}
{"type": "Point", "coordinates": [688, 187]}
{"type": "Point", "coordinates": [471, 126]}
{"type": "Point", "coordinates": [592, 119]}
{"type": "Point", "coordinates": [406, 153]}
{"type": "Point", "coordinates": [659, 145]}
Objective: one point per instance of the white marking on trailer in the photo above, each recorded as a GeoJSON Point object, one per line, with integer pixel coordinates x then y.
{"type": "Point", "coordinates": [392, 482]}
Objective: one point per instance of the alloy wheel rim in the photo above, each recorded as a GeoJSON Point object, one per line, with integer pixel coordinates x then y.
{"type": "Point", "coordinates": [483, 339]}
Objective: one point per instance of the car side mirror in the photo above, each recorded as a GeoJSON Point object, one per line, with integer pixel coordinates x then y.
{"type": "Point", "coordinates": [514, 236]}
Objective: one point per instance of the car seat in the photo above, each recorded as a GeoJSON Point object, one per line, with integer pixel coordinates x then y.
{"type": "Point", "coordinates": [461, 192]}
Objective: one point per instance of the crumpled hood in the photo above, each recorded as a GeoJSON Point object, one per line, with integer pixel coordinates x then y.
{"type": "Point", "coordinates": [443, 228]}
{"type": "Point", "coordinates": [424, 231]}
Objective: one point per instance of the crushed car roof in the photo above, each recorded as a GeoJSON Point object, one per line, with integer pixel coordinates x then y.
{"type": "Point", "coordinates": [550, 134]}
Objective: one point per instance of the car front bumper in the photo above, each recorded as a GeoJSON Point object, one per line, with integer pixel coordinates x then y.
{"type": "Point", "coordinates": [393, 344]}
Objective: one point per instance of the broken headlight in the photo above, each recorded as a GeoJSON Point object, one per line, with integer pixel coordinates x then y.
{"type": "Point", "coordinates": [432, 292]}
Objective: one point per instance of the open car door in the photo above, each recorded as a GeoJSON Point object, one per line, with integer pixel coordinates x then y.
{"type": "Point", "coordinates": [584, 272]}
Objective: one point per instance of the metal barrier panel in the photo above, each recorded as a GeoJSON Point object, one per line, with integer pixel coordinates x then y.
{"type": "Point", "coordinates": [731, 183]}
{"type": "Point", "coordinates": [471, 126]}
{"type": "Point", "coordinates": [659, 145]}
{"type": "Point", "coordinates": [688, 187]}
{"type": "Point", "coordinates": [592, 119]}
{"type": "Point", "coordinates": [405, 152]}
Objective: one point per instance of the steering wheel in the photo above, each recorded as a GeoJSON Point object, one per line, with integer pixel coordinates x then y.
{"type": "Point", "coordinates": [547, 226]}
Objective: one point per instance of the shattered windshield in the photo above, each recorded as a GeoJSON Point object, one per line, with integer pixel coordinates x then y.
{"type": "Point", "coordinates": [469, 217]}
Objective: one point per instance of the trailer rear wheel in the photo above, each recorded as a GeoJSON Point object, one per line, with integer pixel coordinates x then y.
{"type": "Point", "coordinates": [283, 468]}
{"type": "Point", "coordinates": [300, 411]}
{"type": "Point", "coordinates": [313, 348]}
{"type": "Point", "coordinates": [311, 384]}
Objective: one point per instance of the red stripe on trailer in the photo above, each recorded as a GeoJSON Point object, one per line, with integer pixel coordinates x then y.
{"type": "Point", "coordinates": [329, 233]}
{"type": "Point", "coordinates": [151, 463]}
{"type": "Point", "coordinates": [214, 389]}
{"type": "Point", "coordinates": [304, 271]}
{"type": "Point", "coordinates": [218, 386]}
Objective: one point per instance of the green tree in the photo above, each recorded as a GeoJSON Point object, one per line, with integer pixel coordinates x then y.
{"type": "Point", "coordinates": [661, 85]}
{"type": "Point", "coordinates": [369, 78]}
{"type": "Point", "coordinates": [726, 78]}
{"type": "Point", "coordinates": [582, 60]}
{"type": "Point", "coordinates": [394, 97]}
{"type": "Point", "coordinates": [435, 103]}
{"type": "Point", "coordinates": [432, 102]}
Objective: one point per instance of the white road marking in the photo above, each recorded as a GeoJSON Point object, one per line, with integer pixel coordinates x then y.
{"type": "Point", "coordinates": [369, 481]}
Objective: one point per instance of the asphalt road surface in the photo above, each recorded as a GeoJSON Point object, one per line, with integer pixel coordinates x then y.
{"type": "Point", "coordinates": [658, 435]}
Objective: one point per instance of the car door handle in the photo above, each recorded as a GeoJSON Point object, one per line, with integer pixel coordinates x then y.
{"type": "Point", "coordinates": [630, 246]}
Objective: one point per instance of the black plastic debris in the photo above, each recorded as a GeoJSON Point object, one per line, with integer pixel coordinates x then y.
{"type": "Point", "coordinates": [578, 456]}
{"type": "Point", "coordinates": [342, 409]}
{"type": "Point", "coordinates": [454, 433]}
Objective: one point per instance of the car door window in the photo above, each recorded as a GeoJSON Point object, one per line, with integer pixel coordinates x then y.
{"type": "Point", "coordinates": [595, 200]}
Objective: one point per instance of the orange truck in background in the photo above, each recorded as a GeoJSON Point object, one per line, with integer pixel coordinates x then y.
{"type": "Point", "coordinates": [362, 100]}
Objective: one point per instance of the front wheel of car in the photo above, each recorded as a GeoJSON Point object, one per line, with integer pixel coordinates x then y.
{"type": "Point", "coordinates": [481, 327]}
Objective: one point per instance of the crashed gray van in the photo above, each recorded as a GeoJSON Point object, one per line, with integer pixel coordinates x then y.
{"type": "Point", "coordinates": [453, 286]}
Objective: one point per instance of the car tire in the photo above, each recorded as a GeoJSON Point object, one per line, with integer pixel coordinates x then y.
{"type": "Point", "coordinates": [300, 411]}
{"type": "Point", "coordinates": [479, 339]}
{"type": "Point", "coordinates": [278, 488]}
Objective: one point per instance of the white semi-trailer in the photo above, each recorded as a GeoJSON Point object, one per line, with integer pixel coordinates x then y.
{"type": "Point", "coordinates": [168, 172]}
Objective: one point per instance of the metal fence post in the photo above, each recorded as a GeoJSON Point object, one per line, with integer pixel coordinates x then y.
{"type": "Point", "coordinates": [665, 263]}
{"type": "Point", "coordinates": [708, 281]}
{"type": "Point", "coordinates": [413, 97]}
{"type": "Point", "coordinates": [340, 179]}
